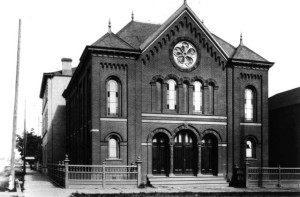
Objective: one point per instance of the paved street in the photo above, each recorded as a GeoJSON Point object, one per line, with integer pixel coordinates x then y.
{"type": "Point", "coordinates": [38, 185]}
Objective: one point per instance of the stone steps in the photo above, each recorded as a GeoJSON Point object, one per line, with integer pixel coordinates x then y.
{"type": "Point", "coordinates": [157, 181]}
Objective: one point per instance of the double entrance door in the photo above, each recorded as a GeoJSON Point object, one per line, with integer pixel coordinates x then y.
{"type": "Point", "coordinates": [184, 154]}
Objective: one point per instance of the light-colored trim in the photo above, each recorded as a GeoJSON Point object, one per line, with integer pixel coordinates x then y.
{"type": "Point", "coordinates": [95, 130]}
{"type": "Point", "coordinates": [146, 144]}
{"type": "Point", "coordinates": [184, 116]}
{"type": "Point", "coordinates": [114, 119]}
{"type": "Point", "coordinates": [224, 145]}
{"type": "Point", "coordinates": [183, 122]}
{"type": "Point", "coordinates": [250, 124]}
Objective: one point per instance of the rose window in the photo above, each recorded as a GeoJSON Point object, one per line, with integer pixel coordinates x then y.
{"type": "Point", "coordinates": [185, 54]}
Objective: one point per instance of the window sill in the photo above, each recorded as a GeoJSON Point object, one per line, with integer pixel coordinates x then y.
{"type": "Point", "coordinates": [113, 159]}
{"type": "Point", "coordinates": [251, 159]}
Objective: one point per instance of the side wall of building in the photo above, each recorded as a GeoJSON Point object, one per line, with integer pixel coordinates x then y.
{"type": "Point", "coordinates": [284, 136]}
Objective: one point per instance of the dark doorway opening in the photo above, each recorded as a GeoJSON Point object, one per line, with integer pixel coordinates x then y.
{"type": "Point", "coordinates": [185, 153]}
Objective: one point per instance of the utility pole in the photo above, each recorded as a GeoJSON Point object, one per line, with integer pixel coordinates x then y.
{"type": "Point", "coordinates": [15, 116]}
{"type": "Point", "coordinates": [24, 140]}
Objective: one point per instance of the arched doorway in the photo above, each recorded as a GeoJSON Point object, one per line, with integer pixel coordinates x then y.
{"type": "Point", "coordinates": [185, 153]}
{"type": "Point", "coordinates": [209, 154]}
{"type": "Point", "coordinates": [160, 154]}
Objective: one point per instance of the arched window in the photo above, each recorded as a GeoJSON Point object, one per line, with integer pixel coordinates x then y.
{"type": "Point", "coordinates": [113, 148]}
{"type": "Point", "coordinates": [211, 98]}
{"type": "Point", "coordinates": [250, 150]}
{"type": "Point", "coordinates": [158, 96]}
{"type": "Point", "coordinates": [197, 97]}
{"type": "Point", "coordinates": [249, 104]}
{"type": "Point", "coordinates": [185, 101]}
{"type": "Point", "coordinates": [113, 98]}
{"type": "Point", "coordinates": [171, 95]}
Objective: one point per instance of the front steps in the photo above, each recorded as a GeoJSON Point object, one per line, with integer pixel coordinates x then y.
{"type": "Point", "coordinates": [203, 180]}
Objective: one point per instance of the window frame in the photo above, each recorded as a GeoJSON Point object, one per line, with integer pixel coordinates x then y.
{"type": "Point", "coordinates": [118, 97]}
{"type": "Point", "coordinates": [253, 148]}
{"type": "Point", "coordinates": [200, 100]}
{"type": "Point", "coordinates": [253, 103]}
{"type": "Point", "coordinates": [175, 95]}
{"type": "Point", "coordinates": [117, 148]}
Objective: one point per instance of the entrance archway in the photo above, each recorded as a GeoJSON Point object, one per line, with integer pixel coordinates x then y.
{"type": "Point", "coordinates": [185, 153]}
{"type": "Point", "coordinates": [209, 155]}
{"type": "Point", "coordinates": [160, 154]}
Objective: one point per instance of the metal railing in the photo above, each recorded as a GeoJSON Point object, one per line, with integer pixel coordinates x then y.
{"type": "Point", "coordinates": [68, 176]}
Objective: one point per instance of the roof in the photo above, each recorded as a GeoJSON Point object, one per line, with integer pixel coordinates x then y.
{"type": "Point", "coordinates": [244, 53]}
{"type": "Point", "coordinates": [225, 45]}
{"type": "Point", "coordinates": [50, 75]}
{"type": "Point", "coordinates": [135, 33]}
{"type": "Point", "coordinates": [110, 40]}
{"type": "Point", "coordinates": [284, 99]}
{"type": "Point", "coordinates": [139, 35]}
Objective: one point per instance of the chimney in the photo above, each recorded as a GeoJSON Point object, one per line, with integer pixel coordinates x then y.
{"type": "Point", "coordinates": [66, 66]}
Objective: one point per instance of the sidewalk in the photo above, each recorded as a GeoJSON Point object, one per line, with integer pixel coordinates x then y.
{"type": "Point", "coordinates": [38, 185]}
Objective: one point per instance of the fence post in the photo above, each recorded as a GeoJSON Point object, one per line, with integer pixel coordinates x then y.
{"type": "Point", "coordinates": [246, 174]}
{"type": "Point", "coordinates": [279, 176]}
{"type": "Point", "coordinates": [139, 171]}
{"type": "Point", "coordinates": [103, 175]}
{"type": "Point", "coordinates": [66, 162]}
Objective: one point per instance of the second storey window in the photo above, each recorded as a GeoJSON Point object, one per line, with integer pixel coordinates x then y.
{"type": "Point", "coordinates": [171, 95]}
{"type": "Point", "coordinates": [112, 98]}
{"type": "Point", "coordinates": [249, 104]}
{"type": "Point", "coordinates": [197, 97]}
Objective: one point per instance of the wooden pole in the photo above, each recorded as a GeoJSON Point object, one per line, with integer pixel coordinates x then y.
{"type": "Point", "coordinates": [15, 116]}
{"type": "Point", "coordinates": [24, 140]}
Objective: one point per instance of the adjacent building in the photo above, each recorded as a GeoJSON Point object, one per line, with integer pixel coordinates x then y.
{"type": "Point", "coordinates": [183, 99]}
{"type": "Point", "coordinates": [284, 129]}
{"type": "Point", "coordinates": [54, 113]}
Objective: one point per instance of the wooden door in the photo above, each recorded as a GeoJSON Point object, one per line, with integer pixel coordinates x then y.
{"type": "Point", "coordinates": [209, 154]}
{"type": "Point", "coordinates": [160, 154]}
{"type": "Point", "coordinates": [185, 154]}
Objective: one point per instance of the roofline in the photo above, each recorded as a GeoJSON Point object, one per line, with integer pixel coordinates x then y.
{"type": "Point", "coordinates": [185, 8]}
{"type": "Point", "coordinates": [245, 62]}
{"type": "Point", "coordinates": [44, 81]}
{"type": "Point", "coordinates": [105, 50]}
{"type": "Point", "coordinates": [108, 49]}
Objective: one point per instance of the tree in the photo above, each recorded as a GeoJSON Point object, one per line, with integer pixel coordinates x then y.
{"type": "Point", "coordinates": [33, 146]}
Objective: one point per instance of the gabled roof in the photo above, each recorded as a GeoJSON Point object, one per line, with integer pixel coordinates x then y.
{"type": "Point", "coordinates": [135, 33]}
{"type": "Point", "coordinates": [244, 53]}
{"type": "Point", "coordinates": [225, 45]}
{"type": "Point", "coordinates": [50, 75]}
{"type": "Point", "coordinates": [111, 40]}
{"type": "Point", "coordinates": [172, 18]}
{"type": "Point", "coordinates": [139, 36]}
{"type": "Point", "coordinates": [284, 99]}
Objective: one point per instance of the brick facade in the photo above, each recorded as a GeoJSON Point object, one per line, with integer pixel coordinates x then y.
{"type": "Point", "coordinates": [223, 70]}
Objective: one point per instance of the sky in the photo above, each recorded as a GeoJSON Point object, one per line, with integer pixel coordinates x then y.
{"type": "Point", "coordinates": [55, 29]}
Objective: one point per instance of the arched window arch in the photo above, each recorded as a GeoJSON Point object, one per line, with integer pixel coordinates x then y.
{"type": "Point", "coordinates": [211, 98]}
{"type": "Point", "coordinates": [113, 97]}
{"type": "Point", "coordinates": [197, 97]}
{"type": "Point", "coordinates": [249, 104]}
{"type": "Point", "coordinates": [158, 95]}
{"type": "Point", "coordinates": [250, 148]}
{"type": "Point", "coordinates": [113, 147]}
{"type": "Point", "coordinates": [171, 94]}
{"type": "Point", "coordinates": [185, 92]}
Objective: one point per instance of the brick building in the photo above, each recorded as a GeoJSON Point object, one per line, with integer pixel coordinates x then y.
{"type": "Point", "coordinates": [53, 112]}
{"type": "Point", "coordinates": [284, 129]}
{"type": "Point", "coordinates": [184, 100]}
